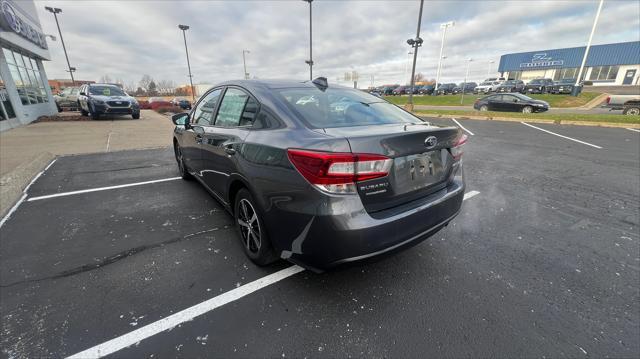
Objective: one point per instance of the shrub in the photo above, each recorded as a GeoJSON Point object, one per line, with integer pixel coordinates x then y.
{"type": "Point", "coordinates": [165, 109]}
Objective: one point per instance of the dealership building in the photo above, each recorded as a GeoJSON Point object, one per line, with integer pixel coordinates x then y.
{"type": "Point", "coordinates": [607, 65]}
{"type": "Point", "coordinates": [24, 91]}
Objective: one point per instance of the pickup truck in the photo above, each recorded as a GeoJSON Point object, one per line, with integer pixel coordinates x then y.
{"type": "Point", "coordinates": [629, 104]}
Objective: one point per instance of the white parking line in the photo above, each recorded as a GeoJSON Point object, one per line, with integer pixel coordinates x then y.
{"type": "Point", "coordinates": [24, 194]}
{"type": "Point", "coordinates": [188, 314]}
{"type": "Point", "coordinates": [159, 326]}
{"type": "Point", "coordinates": [462, 127]}
{"type": "Point", "coordinates": [559, 135]}
{"type": "Point", "coordinates": [62, 194]}
{"type": "Point", "coordinates": [633, 129]}
{"type": "Point", "coordinates": [470, 194]}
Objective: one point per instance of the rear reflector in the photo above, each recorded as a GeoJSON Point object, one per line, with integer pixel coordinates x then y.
{"type": "Point", "coordinates": [337, 172]}
{"type": "Point", "coordinates": [456, 150]}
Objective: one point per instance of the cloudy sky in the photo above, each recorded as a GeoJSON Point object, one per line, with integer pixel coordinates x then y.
{"type": "Point", "coordinates": [126, 39]}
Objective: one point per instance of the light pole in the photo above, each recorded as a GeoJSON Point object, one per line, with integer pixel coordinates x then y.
{"type": "Point", "coordinates": [415, 43]}
{"type": "Point", "coordinates": [244, 62]}
{"type": "Point", "coordinates": [489, 68]}
{"type": "Point", "coordinates": [310, 61]}
{"type": "Point", "coordinates": [184, 28]}
{"type": "Point", "coordinates": [444, 28]}
{"type": "Point", "coordinates": [464, 84]}
{"type": "Point", "coordinates": [55, 11]}
{"type": "Point", "coordinates": [406, 65]}
{"type": "Point", "coordinates": [576, 90]}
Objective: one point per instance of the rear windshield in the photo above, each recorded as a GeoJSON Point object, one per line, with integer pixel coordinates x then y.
{"type": "Point", "coordinates": [336, 107]}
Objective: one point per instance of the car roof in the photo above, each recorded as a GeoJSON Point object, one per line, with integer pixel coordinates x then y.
{"type": "Point", "coordinates": [273, 84]}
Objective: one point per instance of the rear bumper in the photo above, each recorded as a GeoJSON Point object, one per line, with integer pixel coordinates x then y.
{"type": "Point", "coordinates": [344, 232]}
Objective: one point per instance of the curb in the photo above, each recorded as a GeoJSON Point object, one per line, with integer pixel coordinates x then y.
{"type": "Point", "coordinates": [14, 183]}
{"type": "Point", "coordinates": [534, 120]}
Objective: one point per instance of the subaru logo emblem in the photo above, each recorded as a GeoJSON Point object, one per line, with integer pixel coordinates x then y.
{"type": "Point", "coordinates": [431, 142]}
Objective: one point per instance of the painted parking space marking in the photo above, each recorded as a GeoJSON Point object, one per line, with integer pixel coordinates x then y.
{"type": "Point", "coordinates": [101, 189]}
{"type": "Point", "coordinates": [188, 314]}
{"type": "Point", "coordinates": [159, 326]}
{"type": "Point", "coordinates": [24, 194]}
{"type": "Point", "coordinates": [470, 194]}
{"type": "Point", "coordinates": [633, 129]}
{"type": "Point", "coordinates": [559, 135]}
{"type": "Point", "coordinates": [462, 127]}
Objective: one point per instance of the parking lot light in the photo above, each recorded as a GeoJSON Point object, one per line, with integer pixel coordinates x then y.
{"type": "Point", "coordinates": [444, 28]}
{"type": "Point", "coordinates": [489, 68]}
{"type": "Point", "coordinates": [415, 43]}
{"type": "Point", "coordinates": [244, 63]}
{"type": "Point", "coordinates": [55, 11]}
{"type": "Point", "coordinates": [310, 61]}
{"type": "Point", "coordinates": [464, 84]}
{"type": "Point", "coordinates": [576, 88]}
{"type": "Point", "coordinates": [184, 28]}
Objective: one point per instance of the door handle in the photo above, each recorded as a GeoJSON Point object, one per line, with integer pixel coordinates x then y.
{"type": "Point", "coordinates": [230, 150]}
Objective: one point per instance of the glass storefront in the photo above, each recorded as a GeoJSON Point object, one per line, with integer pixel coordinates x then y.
{"type": "Point", "coordinates": [26, 76]}
{"type": "Point", "coordinates": [6, 109]}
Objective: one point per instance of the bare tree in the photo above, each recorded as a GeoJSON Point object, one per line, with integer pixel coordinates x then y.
{"type": "Point", "coordinates": [105, 79]}
{"type": "Point", "coordinates": [145, 82]}
{"type": "Point", "coordinates": [418, 77]}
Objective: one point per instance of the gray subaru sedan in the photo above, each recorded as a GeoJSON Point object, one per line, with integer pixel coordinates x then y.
{"type": "Point", "coordinates": [318, 174]}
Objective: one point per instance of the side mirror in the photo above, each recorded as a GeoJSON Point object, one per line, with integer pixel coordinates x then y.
{"type": "Point", "coordinates": [180, 119]}
{"type": "Point", "coordinates": [515, 100]}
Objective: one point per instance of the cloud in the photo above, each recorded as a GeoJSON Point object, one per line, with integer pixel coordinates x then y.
{"type": "Point", "coordinates": [126, 39]}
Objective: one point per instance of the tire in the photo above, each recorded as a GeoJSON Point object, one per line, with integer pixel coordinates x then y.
{"type": "Point", "coordinates": [82, 111]}
{"type": "Point", "coordinates": [527, 109]}
{"type": "Point", "coordinates": [251, 230]}
{"type": "Point", "coordinates": [94, 115]}
{"type": "Point", "coordinates": [135, 116]}
{"type": "Point", "coordinates": [58, 107]}
{"type": "Point", "coordinates": [484, 108]}
{"type": "Point", "coordinates": [182, 167]}
{"type": "Point", "coordinates": [631, 111]}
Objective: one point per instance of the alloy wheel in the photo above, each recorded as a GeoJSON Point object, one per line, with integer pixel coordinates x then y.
{"type": "Point", "coordinates": [633, 111]}
{"type": "Point", "coordinates": [250, 226]}
{"type": "Point", "coordinates": [527, 109]}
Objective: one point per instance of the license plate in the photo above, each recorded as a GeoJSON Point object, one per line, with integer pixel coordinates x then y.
{"type": "Point", "coordinates": [418, 171]}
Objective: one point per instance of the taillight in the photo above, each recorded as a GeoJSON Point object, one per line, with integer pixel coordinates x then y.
{"type": "Point", "coordinates": [456, 149]}
{"type": "Point", "coordinates": [608, 100]}
{"type": "Point", "coordinates": [337, 172]}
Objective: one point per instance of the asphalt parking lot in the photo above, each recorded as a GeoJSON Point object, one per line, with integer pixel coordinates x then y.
{"type": "Point", "coordinates": [109, 249]}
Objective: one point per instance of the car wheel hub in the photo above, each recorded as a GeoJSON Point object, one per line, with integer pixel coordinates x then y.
{"type": "Point", "coordinates": [249, 226]}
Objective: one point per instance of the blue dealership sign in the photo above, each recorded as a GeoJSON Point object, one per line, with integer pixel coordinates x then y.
{"type": "Point", "coordinates": [12, 20]}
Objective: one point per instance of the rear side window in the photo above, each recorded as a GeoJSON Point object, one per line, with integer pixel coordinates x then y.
{"type": "Point", "coordinates": [337, 107]}
{"type": "Point", "coordinates": [236, 109]}
{"type": "Point", "coordinates": [203, 114]}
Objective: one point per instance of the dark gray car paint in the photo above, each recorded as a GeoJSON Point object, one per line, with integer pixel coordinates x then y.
{"type": "Point", "coordinates": [326, 228]}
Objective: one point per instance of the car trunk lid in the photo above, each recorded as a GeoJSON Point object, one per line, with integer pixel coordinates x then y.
{"type": "Point", "coordinates": [421, 157]}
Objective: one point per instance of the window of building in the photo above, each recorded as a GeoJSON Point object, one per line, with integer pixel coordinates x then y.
{"type": "Point", "coordinates": [6, 109]}
{"type": "Point", "coordinates": [515, 75]}
{"type": "Point", "coordinates": [604, 73]}
{"type": "Point", "coordinates": [569, 73]}
{"type": "Point", "coordinates": [27, 77]}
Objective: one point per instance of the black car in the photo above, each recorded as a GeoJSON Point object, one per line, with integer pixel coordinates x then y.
{"type": "Point", "coordinates": [538, 86]}
{"type": "Point", "coordinates": [388, 91]}
{"type": "Point", "coordinates": [513, 102]}
{"type": "Point", "coordinates": [444, 89]}
{"type": "Point", "coordinates": [426, 90]}
{"type": "Point", "coordinates": [320, 175]}
{"type": "Point", "coordinates": [563, 86]}
{"type": "Point", "coordinates": [182, 103]}
{"type": "Point", "coordinates": [100, 99]}
{"type": "Point", "coordinates": [468, 87]}
{"type": "Point", "coordinates": [511, 86]}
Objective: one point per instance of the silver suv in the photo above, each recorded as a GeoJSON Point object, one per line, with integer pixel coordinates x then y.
{"type": "Point", "coordinates": [99, 99]}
